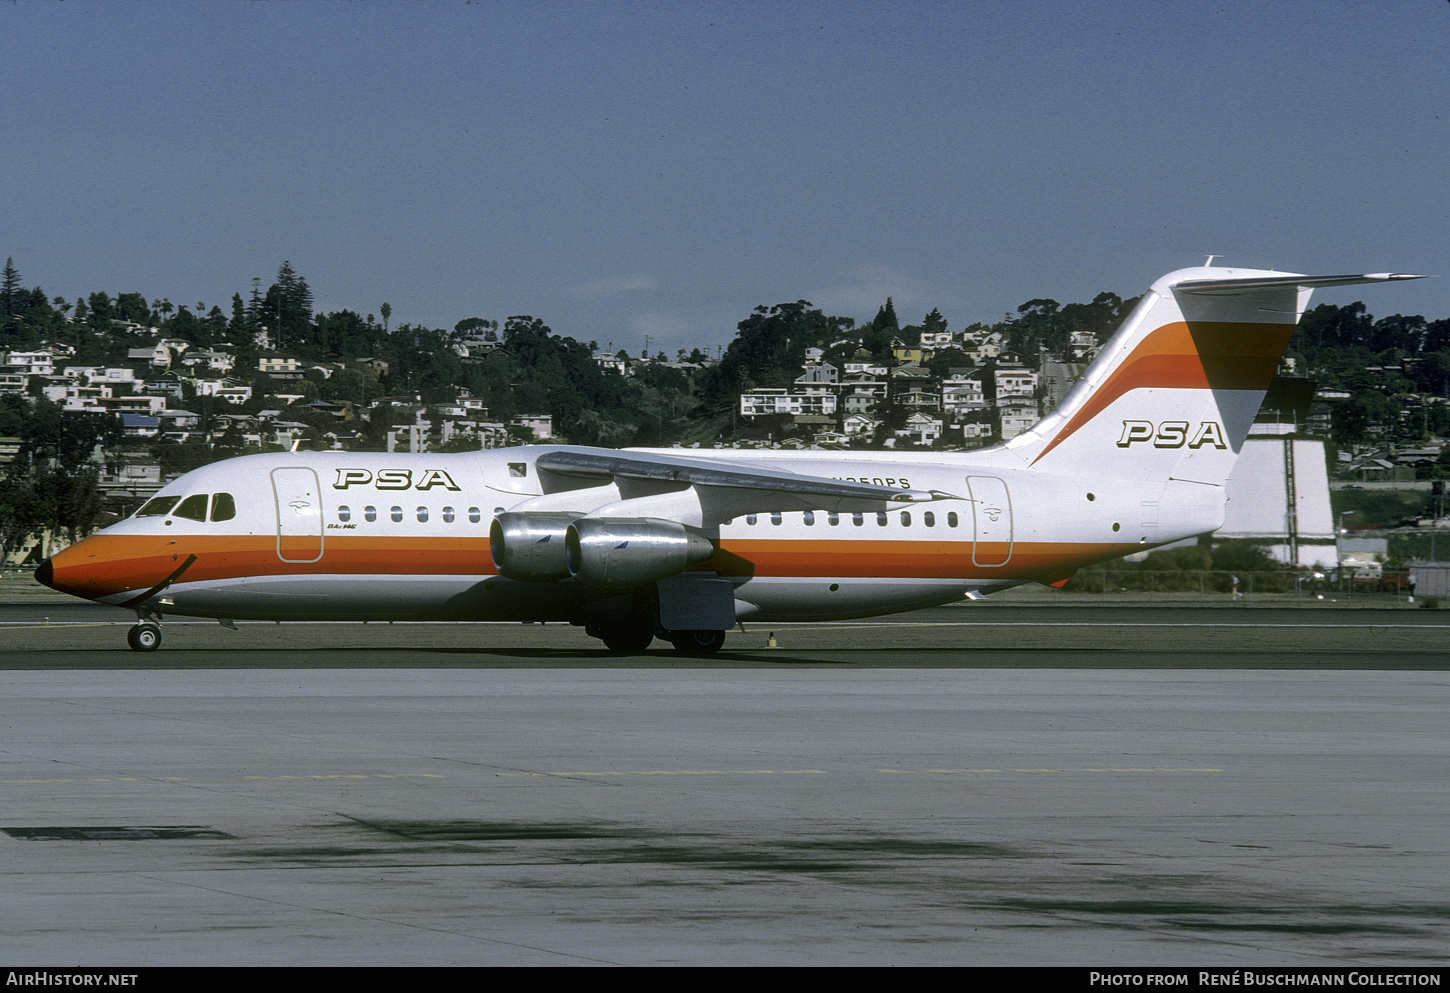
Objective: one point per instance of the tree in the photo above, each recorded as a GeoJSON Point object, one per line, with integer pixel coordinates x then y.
{"type": "Point", "coordinates": [9, 286]}
{"type": "Point", "coordinates": [52, 486]}
{"type": "Point", "coordinates": [287, 308]}
{"type": "Point", "coordinates": [469, 327]}
{"type": "Point", "coordinates": [884, 328]}
{"type": "Point", "coordinates": [767, 351]}
{"type": "Point", "coordinates": [1329, 326]}
{"type": "Point", "coordinates": [101, 312]}
{"type": "Point", "coordinates": [1353, 419]}
{"type": "Point", "coordinates": [133, 307]}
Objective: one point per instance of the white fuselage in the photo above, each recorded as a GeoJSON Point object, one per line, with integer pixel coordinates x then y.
{"type": "Point", "coordinates": [375, 536]}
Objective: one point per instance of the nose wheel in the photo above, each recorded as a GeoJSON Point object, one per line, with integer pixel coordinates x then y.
{"type": "Point", "coordinates": [144, 637]}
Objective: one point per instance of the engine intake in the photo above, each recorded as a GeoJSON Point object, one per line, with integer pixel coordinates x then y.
{"type": "Point", "coordinates": [619, 553]}
{"type": "Point", "coordinates": [529, 548]}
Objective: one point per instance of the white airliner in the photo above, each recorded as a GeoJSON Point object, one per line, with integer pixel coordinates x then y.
{"type": "Point", "coordinates": [683, 545]}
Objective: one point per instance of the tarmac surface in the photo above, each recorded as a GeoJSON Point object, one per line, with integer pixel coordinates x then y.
{"type": "Point", "coordinates": [971, 785]}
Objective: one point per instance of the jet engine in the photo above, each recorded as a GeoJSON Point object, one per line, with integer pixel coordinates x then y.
{"type": "Point", "coordinates": [620, 553]}
{"type": "Point", "coordinates": [529, 548]}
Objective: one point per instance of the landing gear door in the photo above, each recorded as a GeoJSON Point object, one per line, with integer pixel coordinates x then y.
{"type": "Point", "coordinates": [696, 603]}
{"type": "Point", "coordinates": [299, 514]}
{"type": "Point", "coordinates": [992, 515]}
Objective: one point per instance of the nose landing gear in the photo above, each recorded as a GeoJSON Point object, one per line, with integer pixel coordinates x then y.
{"type": "Point", "coordinates": [146, 635]}
{"type": "Point", "coordinates": [144, 638]}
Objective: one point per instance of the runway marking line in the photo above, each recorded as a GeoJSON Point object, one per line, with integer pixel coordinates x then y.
{"type": "Point", "coordinates": [641, 773]}
{"type": "Point", "coordinates": [19, 626]}
{"type": "Point", "coordinates": [1059, 772]}
{"type": "Point", "coordinates": [1099, 624]}
{"type": "Point", "coordinates": [243, 779]}
{"type": "Point", "coordinates": [1380, 628]}
{"type": "Point", "coordinates": [671, 772]}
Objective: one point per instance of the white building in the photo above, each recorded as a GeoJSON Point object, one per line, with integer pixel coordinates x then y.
{"type": "Point", "coordinates": [541, 424]}
{"type": "Point", "coordinates": [41, 363]}
{"type": "Point", "coordinates": [778, 400]}
{"type": "Point", "coordinates": [1278, 496]}
{"type": "Point", "coordinates": [1018, 414]}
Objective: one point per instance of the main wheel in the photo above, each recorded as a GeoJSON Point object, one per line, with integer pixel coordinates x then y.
{"type": "Point", "coordinates": [697, 643]}
{"type": "Point", "coordinates": [627, 641]}
{"type": "Point", "coordinates": [144, 638]}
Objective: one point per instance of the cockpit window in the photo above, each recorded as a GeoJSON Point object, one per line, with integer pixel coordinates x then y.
{"type": "Point", "coordinates": [223, 507]}
{"type": "Point", "coordinates": [157, 506]}
{"type": "Point", "coordinates": [193, 508]}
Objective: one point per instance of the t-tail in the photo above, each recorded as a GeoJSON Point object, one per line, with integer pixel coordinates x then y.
{"type": "Point", "coordinates": [1174, 392]}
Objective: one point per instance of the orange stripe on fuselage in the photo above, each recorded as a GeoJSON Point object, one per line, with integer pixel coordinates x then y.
{"type": "Point", "coordinates": [104, 565]}
{"type": "Point", "coordinates": [903, 559]}
{"type": "Point", "coordinates": [1204, 355]}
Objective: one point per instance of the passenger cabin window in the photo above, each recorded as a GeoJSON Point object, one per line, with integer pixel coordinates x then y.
{"type": "Point", "coordinates": [928, 518]}
{"type": "Point", "coordinates": [193, 508]}
{"type": "Point", "coordinates": [881, 519]}
{"type": "Point", "coordinates": [157, 506]}
{"type": "Point", "coordinates": [344, 514]}
{"type": "Point", "coordinates": [906, 518]}
{"type": "Point", "coordinates": [952, 519]}
{"type": "Point", "coordinates": [422, 515]}
{"type": "Point", "coordinates": [751, 518]}
{"type": "Point", "coordinates": [833, 518]}
{"type": "Point", "coordinates": [447, 515]}
{"type": "Point", "coordinates": [397, 514]}
{"type": "Point", "coordinates": [223, 507]}
{"type": "Point", "coordinates": [809, 517]}
{"type": "Point", "coordinates": [474, 515]}
{"type": "Point", "coordinates": [775, 517]}
{"type": "Point", "coordinates": [858, 519]}
{"type": "Point", "coordinates": [370, 514]}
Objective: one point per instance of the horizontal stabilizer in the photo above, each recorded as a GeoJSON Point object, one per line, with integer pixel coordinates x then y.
{"type": "Point", "coordinates": [1229, 287]}
{"type": "Point", "coordinates": [1172, 395]}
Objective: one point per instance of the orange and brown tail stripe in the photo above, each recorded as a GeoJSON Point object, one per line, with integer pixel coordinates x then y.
{"type": "Point", "coordinates": [1204, 355]}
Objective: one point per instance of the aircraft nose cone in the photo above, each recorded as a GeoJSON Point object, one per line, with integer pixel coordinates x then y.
{"type": "Point", "coordinates": [46, 574]}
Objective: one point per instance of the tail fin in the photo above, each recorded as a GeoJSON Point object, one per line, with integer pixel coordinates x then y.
{"type": "Point", "coordinates": [1174, 392]}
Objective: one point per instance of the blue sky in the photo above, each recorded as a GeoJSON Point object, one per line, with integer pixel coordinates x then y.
{"type": "Point", "coordinates": [623, 169]}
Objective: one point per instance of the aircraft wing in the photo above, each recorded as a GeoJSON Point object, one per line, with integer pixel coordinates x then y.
{"type": "Point", "coordinates": [740, 487]}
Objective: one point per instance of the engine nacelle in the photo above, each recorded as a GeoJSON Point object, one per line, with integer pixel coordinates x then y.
{"type": "Point", "coordinates": [620, 553]}
{"type": "Point", "coordinates": [530, 547]}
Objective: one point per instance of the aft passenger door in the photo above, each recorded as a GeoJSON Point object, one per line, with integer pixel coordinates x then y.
{"type": "Point", "coordinates": [992, 517]}
{"type": "Point", "coordinates": [299, 514]}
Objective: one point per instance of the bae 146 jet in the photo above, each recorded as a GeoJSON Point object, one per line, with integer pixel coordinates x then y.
{"type": "Point", "coordinates": [684, 545]}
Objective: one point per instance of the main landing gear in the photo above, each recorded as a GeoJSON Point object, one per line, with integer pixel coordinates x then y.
{"type": "Point", "coordinates": [633, 639]}
{"type": "Point", "coordinates": [627, 640]}
{"type": "Point", "coordinates": [699, 644]}
{"type": "Point", "coordinates": [628, 623]}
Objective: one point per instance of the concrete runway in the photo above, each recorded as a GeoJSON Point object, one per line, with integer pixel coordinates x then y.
{"type": "Point", "coordinates": [75, 634]}
{"type": "Point", "coordinates": [959, 786]}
